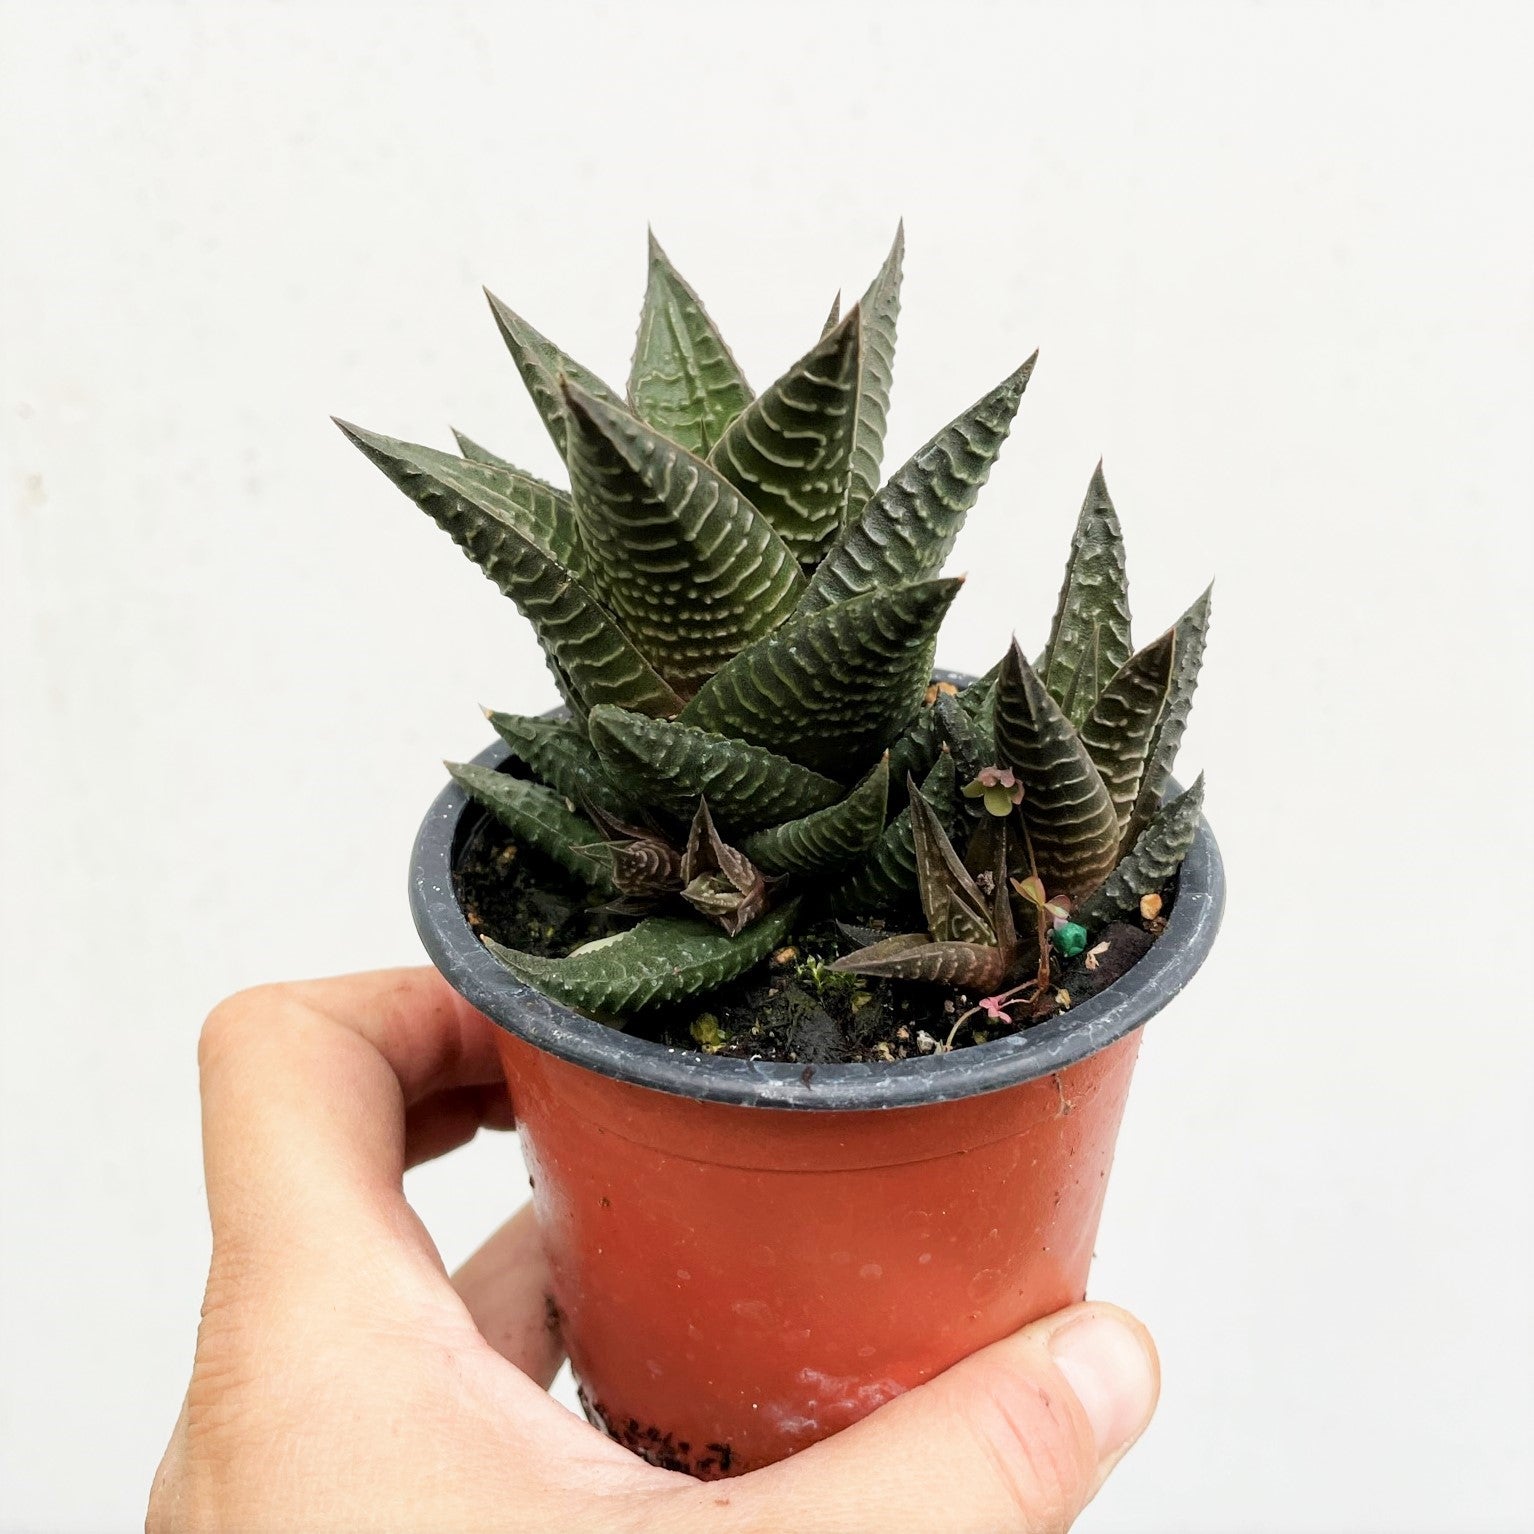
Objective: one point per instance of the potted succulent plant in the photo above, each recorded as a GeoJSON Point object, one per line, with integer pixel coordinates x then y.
{"type": "Point", "coordinates": [820, 974]}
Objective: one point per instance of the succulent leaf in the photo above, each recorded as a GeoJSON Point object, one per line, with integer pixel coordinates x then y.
{"type": "Point", "coordinates": [907, 529]}
{"type": "Point", "coordinates": [1070, 819]}
{"type": "Point", "coordinates": [472, 450]}
{"type": "Point", "coordinates": [834, 687]}
{"type": "Point", "coordinates": [430, 477]}
{"type": "Point", "coordinates": [1157, 854]}
{"type": "Point", "coordinates": [1192, 629]}
{"type": "Point", "coordinates": [788, 452]}
{"type": "Point", "coordinates": [886, 880]}
{"type": "Point", "coordinates": [1118, 731]}
{"type": "Point", "coordinates": [559, 754]}
{"type": "Point", "coordinates": [693, 571]}
{"type": "Point", "coordinates": [1093, 607]}
{"type": "Point", "coordinates": [955, 909]}
{"type": "Point", "coordinates": [684, 382]}
{"type": "Point", "coordinates": [591, 656]}
{"type": "Point", "coordinates": [880, 307]}
{"type": "Point", "coordinates": [542, 365]}
{"type": "Point", "coordinates": [913, 752]}
{"type": "Point", "coordinates": [662, 960]}
{"type": "Point", "coordinates": [826, 838]}
{"type": "Point", "coordinates": [833, 318]}
{"type": "Point", "coordinates": [673, 765]}
{"type": "Point", "coordinates": [537, 816]}
{"type": "Point", "coordinates": [957, 730]}
{"type": "Point", "coordinates": [914, 956]}
{"type": "Point", "coordinates": [720, 882]}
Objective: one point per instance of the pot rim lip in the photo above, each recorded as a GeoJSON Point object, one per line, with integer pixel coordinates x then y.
{"type": "Point", "coordinates": [1050, 1046]}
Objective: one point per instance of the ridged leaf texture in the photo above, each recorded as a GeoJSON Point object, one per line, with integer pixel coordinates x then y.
{"type": "Point", "coordinates": [789, 451]}
{"type": "Point", "coordinates": [1071, 824]}
{"type": "Point", "coordinates": [559, 754]}
{"type": "Point", "coordinates": [1117, 733]}
{"type": "Point", "coordinates": [1192, 629]}
{"type": "Point", "coordinates": [476, 453]}
{"type": "Point", "coordinates": [1089, 639]}
{"type": "Point", "coordinates": [684, 382]}
{"type": "Point", "coordinates": [673, 765]}
{"type": "Point", "coordinates": [955, 909]}
{"type": "Point", "coordinates": [913, 752]}
{"type": "Point", "coordinates": [880, 307]}
{"type": "Point", "coordinates": [828, 838]}
{"type": "Point", "coordinates": [831, 689]}
{"type": "Point", "coordinates": [540, 511]}
{"type": "Point", "coordinates": [661, 961]}
{"type": "Point", "coordinates": [591, 656]}
{"type": "Point", "coordinates": [536, 816]}
{"type": "Point", "coordinates": [692, 570]}
{"type": "Point", "coordinates": [886, 880]}
{"type": "Point", "coordinates": [542, 365]}
{"type": "Point", "coordinates": [1157, 854]}
{"type": "Point", "coordinates": [908, 529]}
{"type": "Point", "coordinates": [915, 956]}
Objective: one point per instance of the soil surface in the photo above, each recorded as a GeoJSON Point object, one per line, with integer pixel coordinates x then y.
{"type": "Point", "coordinates": [793, 1008]}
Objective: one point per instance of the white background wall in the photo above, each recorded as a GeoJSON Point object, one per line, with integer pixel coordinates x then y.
{"type": "Point", "coordinates": [1277, 258]}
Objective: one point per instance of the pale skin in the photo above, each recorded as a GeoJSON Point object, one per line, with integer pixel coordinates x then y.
{"type": "Point", "coordinates": [344, 1381]}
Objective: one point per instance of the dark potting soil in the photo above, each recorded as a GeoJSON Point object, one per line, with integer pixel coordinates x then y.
{"type": "Point", "coordinates": [792, 1008]}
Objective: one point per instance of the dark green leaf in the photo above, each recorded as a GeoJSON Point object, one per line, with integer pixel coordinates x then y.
{"type": "Point", "coordinates": [691, 569]}
{"type": "Point", "coordinates": [908, 529]}
{"type": "Point", "coordinates": [590, 655]}
{"type": "Point", "coordinates": [880, 307]}
{"type": "Point", "coordinates": [663, 960]}
{"type": "Point", "coordinates": [674, 765]}
{"type": "Point", "coordinates": [558, 753]}
{"type": "Point", "coordinates": [788, 451]}
{"type": "Point", "coordinates": [684, 382]}
{"type": "Point", "coordinates": [542, 365]}
{"type": "Point", "coordinates": [536, 816]}
{"type": "Point", "coordinates": [1192, 629]}
{"type": "Point", "coordinates": [913, 752]}
{"type": "Point", "coordinates": [886, 881]}
{"type": "Point", "coordinates": [1070, 820]}
{"type": "Point", "coordinates": [477, 454]}
{"type": "Point", "coordinates": [831, 689]}
{"type": "Point", "coordinates": [1093, 606]}
{"type": "Point", "coordinates": [1117, 733]}
{"type": "Point", "coordinates": [1156, 855]}
{"type": "Point", "coordinates": [827, 838]}
{"type": "Point", "coordinates": [430, 477]}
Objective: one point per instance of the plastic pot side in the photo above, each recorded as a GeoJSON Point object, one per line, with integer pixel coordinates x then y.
{"type": "Point", "coordinates": [747, 1255]}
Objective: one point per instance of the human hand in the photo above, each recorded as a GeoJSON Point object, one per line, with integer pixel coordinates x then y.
{"type": "Point", "coordinates": [343, 1381]}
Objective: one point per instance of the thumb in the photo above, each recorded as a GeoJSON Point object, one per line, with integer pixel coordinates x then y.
{"type": "Point", "coordinates": [1014, 1440]}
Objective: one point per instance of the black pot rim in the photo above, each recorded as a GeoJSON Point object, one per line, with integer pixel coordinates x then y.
{"type": "Point", "coordinates": [1049, 1046]}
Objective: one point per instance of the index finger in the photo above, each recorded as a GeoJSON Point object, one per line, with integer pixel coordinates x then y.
{"type": "Point", "coordinates": [304, 1092]}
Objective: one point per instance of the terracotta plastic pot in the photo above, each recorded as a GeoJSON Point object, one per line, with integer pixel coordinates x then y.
{"type": "Point", "coordinates": [749, 1256]}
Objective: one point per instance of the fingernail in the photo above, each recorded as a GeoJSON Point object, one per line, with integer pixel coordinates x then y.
{"type": "Point", "coordinates": [1105, 1363]}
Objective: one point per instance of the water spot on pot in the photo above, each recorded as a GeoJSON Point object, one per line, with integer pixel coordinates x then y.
{"type": "Point", "coordinates": [840, 1257]}
{"type": "Point", "coordinates": [683, 1274]}
{"type": "Point", "coordinates": [925, 1258]}
{"type": "Point", "coordinates": [985, 1283]}
{"type": "Point", "coordinates": [757, 1312]}
{"type": "Point", "coordinates": [655, 1369]}
{"type": "Point", "coordinates": [870, 1270]}
{"type": "Point", "coordinates": [866, 1351]}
